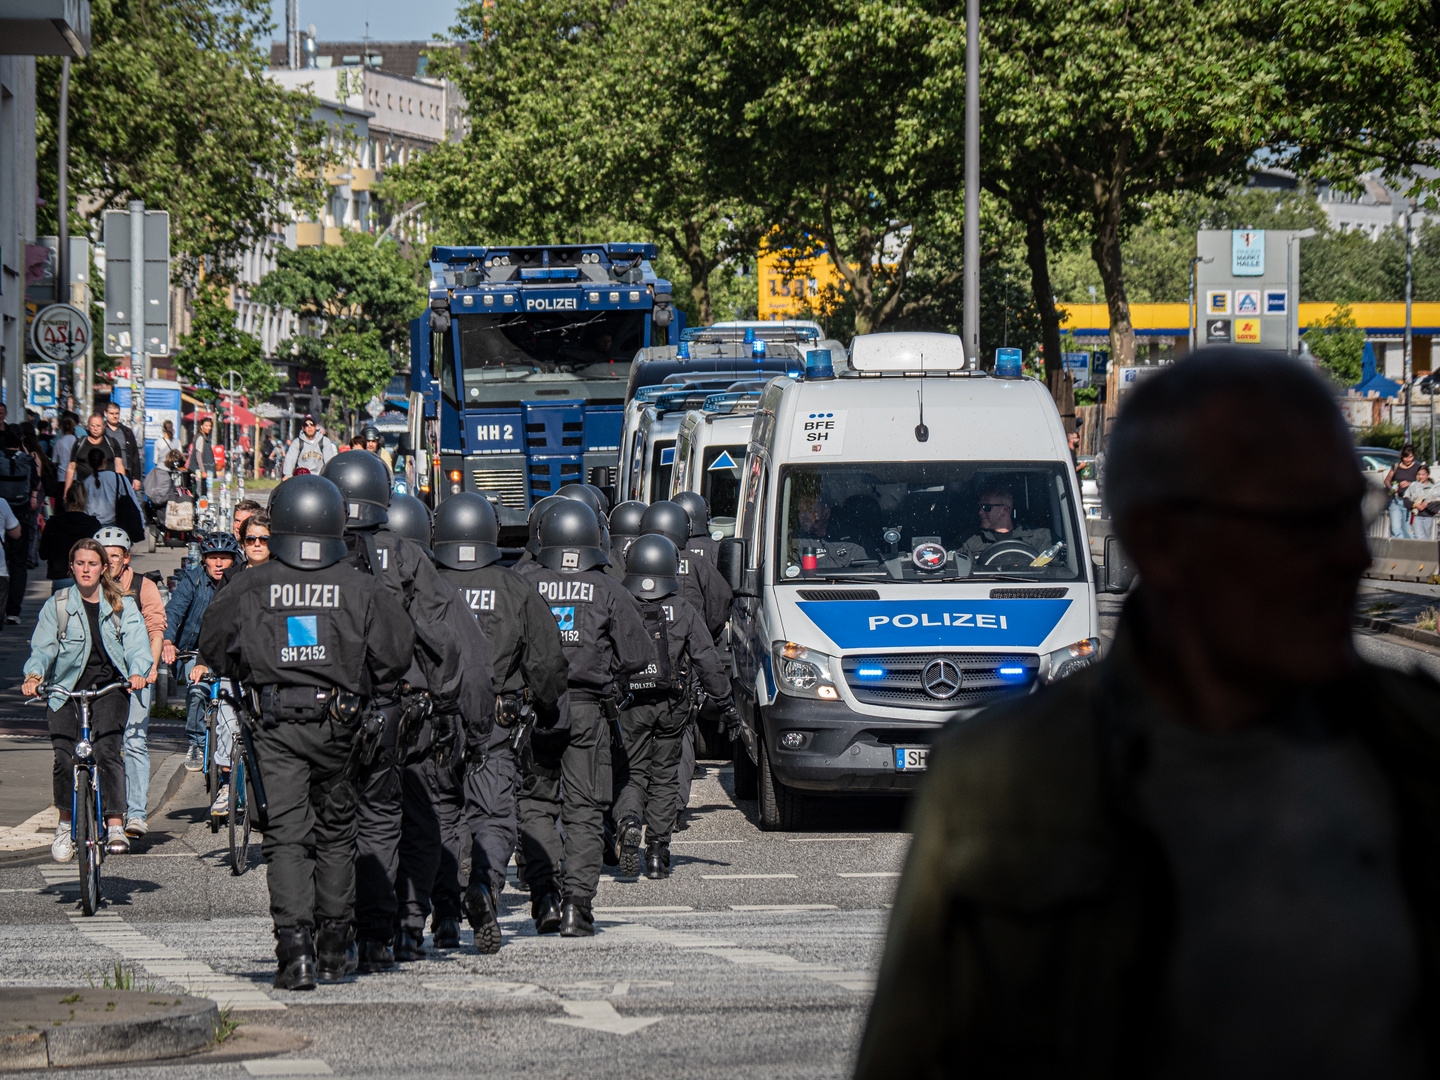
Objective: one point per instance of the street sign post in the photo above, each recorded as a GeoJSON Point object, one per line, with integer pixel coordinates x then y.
{"type": "Point", "coordinates": [137, 292]}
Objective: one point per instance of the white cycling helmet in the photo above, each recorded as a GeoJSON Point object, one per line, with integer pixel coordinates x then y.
{"type": "Point", "coordinates": [113, 536]}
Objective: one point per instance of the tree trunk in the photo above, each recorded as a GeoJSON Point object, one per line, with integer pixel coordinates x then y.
{"type": "Point", "coordinates": [699, 264]}
{"type": "Point", "coordinates": [1040, 287]}
{"type": "Point", "coordinates": [1105, 250]}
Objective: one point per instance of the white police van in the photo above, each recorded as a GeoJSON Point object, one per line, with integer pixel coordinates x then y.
{"type": "Point", "coordinates": [710, 449]}
{"type": "Point", "coordinates": [910, 549]}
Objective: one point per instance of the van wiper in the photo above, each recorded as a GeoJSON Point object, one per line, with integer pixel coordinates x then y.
{"type": "Point", "coordinates": [843, 579]}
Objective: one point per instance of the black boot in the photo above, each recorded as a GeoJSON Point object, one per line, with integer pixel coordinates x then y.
{"type": "Point", "coordinates": [336, 953]}
{"type": "Point", "coordinates": [295, 951]}
{"type": "Point", "coordinates": [410, 945]}
{"type": "Point", "coordinates": [576, 919]}
{"type": "Point", "coordinates": [545, 909]}
{"type": "Point", "coordinates": [630, 847]}
{"type": "Point", "coordinates": [375, 955]}
{"type": "Point", "coordinates": [480, 906]}
{"type": "Point", "coordinates": [446, 933]}
{"type": "Point", "coordinates": [657, 860]}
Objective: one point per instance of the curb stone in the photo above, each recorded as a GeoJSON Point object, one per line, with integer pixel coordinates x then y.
{"type": "Point", "coordinates": [135, 1025]}
{"type": "Point", "coordinates": [1410, 633]}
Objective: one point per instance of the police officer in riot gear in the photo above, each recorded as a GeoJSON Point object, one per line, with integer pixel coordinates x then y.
{"type": "Point", "coordinates": [700, 542]}
{"type": "Point", "coordinates": [592, 497]}
{"type": "Point", "coordinates": [537, 511]}
{"type": "Point", "coordinates": [410, 517]}
{"type": "Point", "coordinates": [604, 509]}
{"type": "Point", "coordinates": [604, 640]}
{"type": "Point", "coordinates": [431, 688]}
{"type": "Point", "coordinates": [624, 528]}
{"type": "Point", "coordinates": [649, 777]}
{"type": "Point", "coordinates": [529, 683]}
{"type": "Point", "coordinates": [316, 643]}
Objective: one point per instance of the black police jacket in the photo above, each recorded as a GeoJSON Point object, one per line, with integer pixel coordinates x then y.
{"type": "Point", "coordinates": [600, 627]}
{"type": "Point", "coordinates": [687, 635]}
{"type": "Point", "coordinates": [705, 547]}
{"type": "Point", "coordinates": [404, 567]}
{"type": "Point", "coordinates": [275, 625]}
{"type": "Point", "coordinates": [524, 638]}
{"type": "Point", "coordinates": [706, 591]}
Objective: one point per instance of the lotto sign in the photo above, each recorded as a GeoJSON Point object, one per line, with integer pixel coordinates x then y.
{"type": "Point", "coordinates": [1247, 330]}
{"type": "Point", "coordinates": [818, 434]}
{"type": "Point", "coordinates": [60, 332]}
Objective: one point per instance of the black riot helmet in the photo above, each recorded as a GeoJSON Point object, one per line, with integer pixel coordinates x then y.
{"type": "Point", "coordinates": [364, 482]}
{"type": "Point", "coordinates": [651, 564]}
{"type": "Point", "coordinates": [570, 538]}
{"type": "Point", "coordinates": [466, 532]}
{"type": "Point", "coordinates": [669, 520]}
{"type": "Point", "coordinates": [307, 523]}
{"type": "Point", "coordinates": [411, 519]}
{"type": "Point", "coordinates": [625, 518]}
{"type": "Point", "coordinates": [604, 510]}
{"type": "Point", "coordinates": [536, 513]}
{"type": "Point", "coordinates": [695, 505]}
{"type": "Point", "coordinates": [583, 493]}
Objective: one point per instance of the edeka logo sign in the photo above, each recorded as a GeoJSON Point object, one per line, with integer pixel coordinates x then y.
{"type": "Point", "coordinates": [915, 624]}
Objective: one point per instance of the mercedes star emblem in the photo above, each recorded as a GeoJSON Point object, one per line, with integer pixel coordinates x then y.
{"type": "Point", "coordinates": [941, 679]}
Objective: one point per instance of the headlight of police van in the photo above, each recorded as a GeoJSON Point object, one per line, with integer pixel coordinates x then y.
{"type": "Point", "coordinates": [802, 672]}
{"type": "Point", "coordinates": [1069, 660]}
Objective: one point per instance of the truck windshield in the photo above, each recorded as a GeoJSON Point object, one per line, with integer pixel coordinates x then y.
{"type": "Point", "coordinates": [924, 521]}
{"type": "Point", "coordinates": [510, 346]}
{"type": "Point", "coordinates": [720, 479]}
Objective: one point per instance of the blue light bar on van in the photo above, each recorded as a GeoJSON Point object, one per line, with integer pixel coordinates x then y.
{"type": "Point", "coordinates": [718, 401]}
{"type": "Point", "coordinates": [1007, 364]}
{"type": "Point", "coordinates": [870, 671]}
{"type": "Point", "coordinates": [757, 348]}
{"type": "Point", "coordinates": [682, 351]}
{"type": "Point", "coordinates": [818, 365]}
{"type": "Point", "coordinates": [1011, 671]}
{"type": "Point", "coordinates": [551, 273]}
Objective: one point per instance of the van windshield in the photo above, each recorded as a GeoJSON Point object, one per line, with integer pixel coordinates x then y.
{"type": "Point", "coordinates": [924, 521]}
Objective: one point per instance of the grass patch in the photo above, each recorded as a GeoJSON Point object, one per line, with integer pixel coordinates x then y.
{"type": "Point", "coordinates": [1426, 619]}
{"type": "Point", "coordinates": [166, 712]}
{"type": "Point", "coordinates": [71, 999]}
{"type": "Point", "coordinates": [226, 1025]}
{"type": "Point", "coordinates": [267, 484]}
{"type": "Point", "coordinates": [121, 977]}
{"type": "Point", "coordinates": [1380, 607]}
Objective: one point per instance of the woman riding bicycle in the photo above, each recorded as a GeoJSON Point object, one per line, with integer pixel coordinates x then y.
{"type": "Point", "coordinates": [88, 636]}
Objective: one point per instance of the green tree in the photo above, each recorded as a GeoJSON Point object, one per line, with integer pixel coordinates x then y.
{"type": "Point", "coordinates": [1338, 343]}
{"type": "Point", "coordinates": [355, 301]}
{"type": "Point", "coordinates": [173, 107]}
{"type": "Point", "coordinates": [215, 345]}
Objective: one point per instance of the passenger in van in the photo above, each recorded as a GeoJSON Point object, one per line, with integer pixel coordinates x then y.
{"type": "Point", "coordinates": [996, 510]}
{"type": "Point", "coordinates": [813, 535]}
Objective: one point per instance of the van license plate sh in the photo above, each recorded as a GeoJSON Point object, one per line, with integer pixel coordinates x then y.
{"type": "Point", "coordinates": [912, 758]}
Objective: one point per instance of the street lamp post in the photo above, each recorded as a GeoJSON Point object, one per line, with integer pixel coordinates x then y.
{"type": "Point", "coordinates": [1409, 337]}
{"type": "Point", "coordinates": [1194, 299]}
{"type": "Point", "coordinates": [970, 317]}
{"type": "Point", "coordinates": [1292, 298]}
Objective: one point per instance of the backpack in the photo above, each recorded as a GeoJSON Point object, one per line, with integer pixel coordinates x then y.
{"type": "Point", "coordinates": [659, 676]}
{"type": "Point", "coordinates": [16, 469]}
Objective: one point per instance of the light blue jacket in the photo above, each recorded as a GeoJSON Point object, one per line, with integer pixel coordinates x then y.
{"type": "Point", "coordinates": [63, 661]}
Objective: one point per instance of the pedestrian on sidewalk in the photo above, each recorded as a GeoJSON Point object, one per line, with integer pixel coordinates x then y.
{"type": "Point", "coordinates": [73, 523]}
{"type": "Point", "coordinates": [1213, 853]}
{"type": "Point", "coordinates": [18, 462]}
{"type": "Point", "coordinates": [1422, 499]}
{"type": "Point", "coordinates": [1401, 475]}
{"type": "Point", "coordinates": [88, 636]}
{"type": "Point", "coordinates": [309, 452]}
{"type": "Point", "coordinates": [183, 616]}
{"type": "Point", "coordinates": [165, 443]}
{"type": "Point", "coordinates": [146, 593]}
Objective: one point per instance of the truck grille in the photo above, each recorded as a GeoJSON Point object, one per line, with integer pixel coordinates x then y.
{"type": "Point", "coordinates": [508, 485]}
{"type": "Point", "coordinates": [898, 679]}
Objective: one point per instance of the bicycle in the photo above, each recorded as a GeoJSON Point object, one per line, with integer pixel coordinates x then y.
{"type": "Point", "coordinates": [243, 776]}
{"type": "Point", "coordinates": [87, 829]}
{"type": "Point", "coordinates": [212, 726]}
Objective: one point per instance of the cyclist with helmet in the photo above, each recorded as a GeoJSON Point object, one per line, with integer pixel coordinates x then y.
{"type": "Point", "coordinates": [650, 727]}
{"type": "Point", "coordinates": [530, 672]}
{"type": "Point", "coordinates": [88, 636]}
{"type": "Point", "coordinates": [183, 615]}
{"type": "Point", "coordinates": [624, 529]}
{"type": "Point", "coordinates": [319, 642]}
{"type": "Point", "coordinates": [146, 594]}
{"type": "Point", "coordinates": [604, 641]}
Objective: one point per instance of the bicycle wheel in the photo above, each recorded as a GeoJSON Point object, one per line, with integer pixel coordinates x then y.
{"type": "Point", "coordinates": [239, 817]}
{"type": "Point", "coordinates": [212, 769]}
{"type": "Point", "coordinates": [88, 842]}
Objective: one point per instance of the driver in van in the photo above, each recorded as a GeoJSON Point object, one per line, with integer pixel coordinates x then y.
{"type": "Point", "coordinates": [997, 525]}
{"type": "Point", "coordinates": [812, 519]}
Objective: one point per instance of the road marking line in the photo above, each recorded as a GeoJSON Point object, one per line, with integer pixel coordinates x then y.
{"type": "Point", "coordinates": [674, 842]}
{"type": "Point", "coordinates": [108, 930]}
{"type": "Point", "coordinates": [677, 910]}
{"type": "Point", "coordinates": [746, 877]}
{"type": "Point", "coordinates": [782, 907]}
{"type": "Point", "coordinates": [287, 1067]}
{"type": "Point", "coordinates": [601, 1016]}
{"type": "Point", "coordinates": [821, 839]}
{"type": "Point", "coordinates": [873, 873]}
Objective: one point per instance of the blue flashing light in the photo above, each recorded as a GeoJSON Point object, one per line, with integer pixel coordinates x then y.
{"type": "Point", "coordinates": [807, 333]}
{"type": "Point", "coordinates": [757, 347]}
{"type": "Point", "coordinates": [1011, 671]}
{"type": "Point", "coordinates": [870, 672]}
{"type": "Point", "coordinates": [682, 351]}
{"type": "Point", "coordinates": [818, 365]}
{"type": "Point", "coordinates": [793, 374]}
{"type": "Point", "coordinates": [749, 333]}
{"type": "Point", "coordinates": [1007, 364]}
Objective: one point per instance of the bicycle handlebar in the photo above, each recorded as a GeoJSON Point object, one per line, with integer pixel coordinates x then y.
{"type": "Point", "coordinates": [44, 690]}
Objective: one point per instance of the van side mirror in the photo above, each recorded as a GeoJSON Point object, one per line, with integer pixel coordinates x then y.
{"type": "Point", "coordinates": [1118, 571]}
{"type": "Point", "coordinates": [730, 558]}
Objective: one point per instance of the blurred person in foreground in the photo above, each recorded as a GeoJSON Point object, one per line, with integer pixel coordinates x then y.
{"type": "Point", "coordinates": [1217, 852]}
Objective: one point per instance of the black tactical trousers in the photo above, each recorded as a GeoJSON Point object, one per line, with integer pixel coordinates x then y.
{"type": "Point", "coordinates": [420, 837]}
{"type": "Point", "coordinates": [578, 759]}
{"type": "Point", "coordinates": [477, 812]}
{"type": "Point", "coordinates": [652, 764]}
{"type": "Point", "coordinates": [449, 795]}
{"type": "Point", "coordinates": [310, 835]}
{"type": "Point", "coordinates": [377, 841]}
{"type": "Point", "coordinates": [685, 772]}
